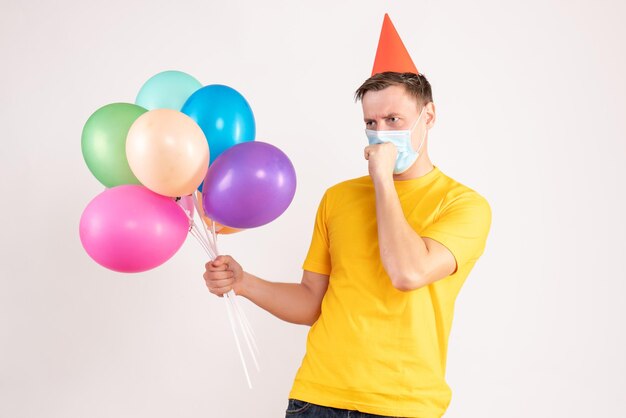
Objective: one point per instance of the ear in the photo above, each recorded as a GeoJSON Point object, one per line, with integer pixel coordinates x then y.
{"type": "Point", "coordinates": [430, 115]}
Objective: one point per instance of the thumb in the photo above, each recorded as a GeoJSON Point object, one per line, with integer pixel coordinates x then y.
{"type": "Point", "coordinates": [221, 259]}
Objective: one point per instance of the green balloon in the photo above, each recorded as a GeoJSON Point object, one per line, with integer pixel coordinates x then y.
{"type": "Point", "coordinates": [104, 143]}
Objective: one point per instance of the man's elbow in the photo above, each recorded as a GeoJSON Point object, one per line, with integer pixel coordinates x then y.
{"type": "Point", "coordinates": [403, 277]}
{"type": "Point", "coordinates": [311, 318]}
{"type": "Point", "coordinates": [407, 282]}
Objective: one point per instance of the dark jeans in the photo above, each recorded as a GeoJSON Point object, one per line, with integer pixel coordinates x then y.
{"type": "Point", "coordinates": [298, 408]}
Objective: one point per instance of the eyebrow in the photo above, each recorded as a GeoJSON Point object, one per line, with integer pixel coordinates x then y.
{"type": "Point", "coordinates": [390, 115]}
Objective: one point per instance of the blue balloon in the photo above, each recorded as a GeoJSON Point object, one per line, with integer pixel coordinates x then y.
{"type": "Point", "coordinates": [224, 116]}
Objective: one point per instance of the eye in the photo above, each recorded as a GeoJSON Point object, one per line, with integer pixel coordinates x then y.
{"type": "Point", "coordinates": [393, 119]}
{"type": "Point", "coordinates": [369, 123]}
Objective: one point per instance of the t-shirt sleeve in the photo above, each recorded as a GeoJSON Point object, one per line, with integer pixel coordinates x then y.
{"type": "Point", "coordinates": [462, 226]}
{"type": "Point", "coordinates": [318, 256]}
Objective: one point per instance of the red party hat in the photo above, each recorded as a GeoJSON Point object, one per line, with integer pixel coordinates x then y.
{"type": "Point", "coordinates": [391, 54]}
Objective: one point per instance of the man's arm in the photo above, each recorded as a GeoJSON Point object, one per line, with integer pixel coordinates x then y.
{"type": "Point", "coordinates": [298, 303]}
{"type": "Point", "coordinates": [409, 260]}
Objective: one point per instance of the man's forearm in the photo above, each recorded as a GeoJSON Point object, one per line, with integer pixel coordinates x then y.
{"type": "Point", "coordinates": [291, 302]}
{"type": "Point", "coordinates": [401, 248]}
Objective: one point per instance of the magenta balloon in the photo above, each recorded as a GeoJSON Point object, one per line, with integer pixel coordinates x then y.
{"type": "Point", "coordinates": [248, 185]}
{"type": "Point", "coordinates": [131, 229]}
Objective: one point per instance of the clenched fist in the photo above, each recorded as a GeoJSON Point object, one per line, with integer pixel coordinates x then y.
{"type": "Point", "coordinates": [381, 160]}
{"type": "Point", "coordinates": [222, 275]}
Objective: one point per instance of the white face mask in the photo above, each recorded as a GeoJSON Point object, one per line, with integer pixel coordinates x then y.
{"type": "Point", "coordinates": [402, 140]}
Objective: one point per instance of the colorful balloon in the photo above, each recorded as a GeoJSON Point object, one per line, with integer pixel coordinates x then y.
{"type": "Point", "coordinates": [103, 143]}
{"type": "Point", "coordinates": [219, 228]}
{"type": "Point", "coordinates": [224, 116]}
{"type": "Point", "coordinates": [167, 90]}
{"type": "Point", "coordinates": [186, 204]}
{"type": "Point", "coordinates": [131, 229]}
{"type": "Point", "coordinates": [249, 185]}
{"type": "Point", "coordinates": [168, 152]}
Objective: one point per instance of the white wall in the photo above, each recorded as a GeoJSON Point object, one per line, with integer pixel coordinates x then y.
{"type": "Point", "coordinates": [531, 103]}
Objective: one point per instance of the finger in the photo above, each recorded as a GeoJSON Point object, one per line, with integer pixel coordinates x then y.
{"type": "Point", "coordinates": [221, 259]}
{"type": "Point", "coordinates": [220, 275]}
{"type": "Point", "coordinates": [226, 258]}
{"type": "Point", "coordinates": [216, 284]}
{"type": "Point", "coordinates": [220, 290]}
{"type": "Point", "coordinates": [216, 293]}
{"type": "Point", "coordinates": [212, 267]}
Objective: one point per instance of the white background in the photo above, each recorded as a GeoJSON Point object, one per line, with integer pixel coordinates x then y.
{"type": "Point", "coordinates": [531, 113]}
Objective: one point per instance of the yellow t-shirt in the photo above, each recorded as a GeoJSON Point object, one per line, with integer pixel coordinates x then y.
{"type": "Point", "coordinates": [374, 348]}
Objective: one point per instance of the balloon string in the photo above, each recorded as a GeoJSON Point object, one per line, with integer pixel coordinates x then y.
{"type": "Point", "coordinates": [212, 241]}
{"type": "Point", "coordinates": [214, 235]}
{"type": "Point", "coordinates": [246, 336]}
{"type": "Point", "coordinates": [246, 323]}
{"type": "Point", "coordinates": [230, 302]}
{"type": "Point", "coordinates": [193, 229]}
{"type": "Point", "coordinates": [196, 234]}
{"type": "Point", "coordinates": [209, 243]}
{"type": "Point", "coordinates": [232, 325]}
{"type": "Point", "coordinates": [245, 327]}
{"type": "Point", "coordinates": [243, 321]}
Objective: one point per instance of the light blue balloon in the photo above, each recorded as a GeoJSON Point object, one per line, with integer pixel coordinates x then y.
{"type": "Point", "coordinates": [167, 90]}
{"type": "Point", "coordinates": [224, 116]}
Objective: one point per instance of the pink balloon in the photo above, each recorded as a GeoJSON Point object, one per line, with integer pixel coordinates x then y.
{"type": "Point", "coordinates": [186, 203]}
{"type": "Point", "coordinates": [131, 229]}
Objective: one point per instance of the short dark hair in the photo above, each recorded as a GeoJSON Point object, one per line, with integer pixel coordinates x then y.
{"type": "Point", "coordinates": [415, 84]}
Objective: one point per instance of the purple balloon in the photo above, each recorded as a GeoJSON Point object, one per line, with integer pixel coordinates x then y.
{"type": "Point", "coordinates": [248, 185]}
{"type": "Point", "coordinates": [131, 229]}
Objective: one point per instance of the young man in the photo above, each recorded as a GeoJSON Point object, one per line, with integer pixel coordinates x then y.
{"type": "Point", "coordinates": [389, 254]}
